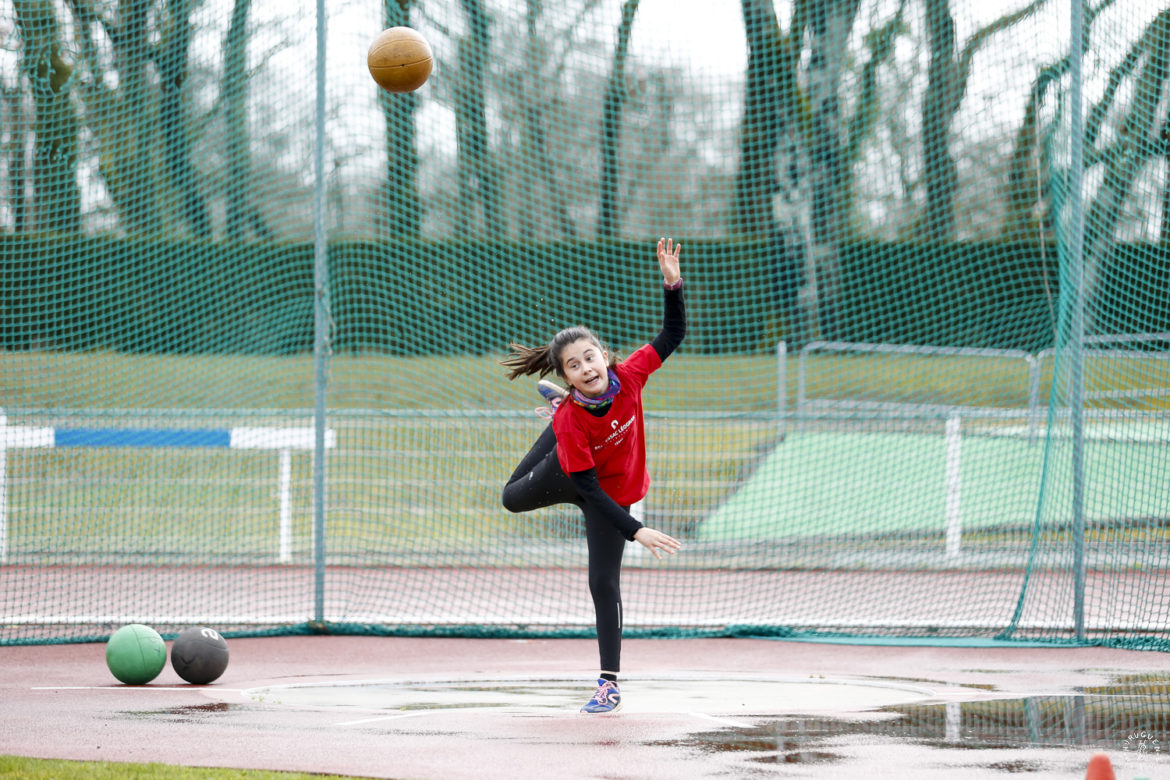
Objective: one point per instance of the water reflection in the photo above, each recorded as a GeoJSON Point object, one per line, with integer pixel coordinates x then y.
{"type": "Point", "coordinates": [1131, 714]}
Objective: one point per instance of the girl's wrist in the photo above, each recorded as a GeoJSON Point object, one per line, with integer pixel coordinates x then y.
{"type": "Point", "coordinates": [677, 283]}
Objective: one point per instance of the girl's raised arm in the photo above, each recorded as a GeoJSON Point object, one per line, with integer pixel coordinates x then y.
{"type": "Point", "coordinates": [668, 260]}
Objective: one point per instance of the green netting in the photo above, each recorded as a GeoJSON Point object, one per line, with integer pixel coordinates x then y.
{"type": "Point", "coordinates": [251, 313]}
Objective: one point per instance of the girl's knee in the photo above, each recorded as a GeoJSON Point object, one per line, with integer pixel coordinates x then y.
{"type": "Point", "coordinates": [511, 501]}
{"type": "Point", "coordinates": [604, 587]}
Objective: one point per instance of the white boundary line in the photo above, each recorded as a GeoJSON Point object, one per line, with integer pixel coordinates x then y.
{"type": "Point", "coordinates": [271, 694]}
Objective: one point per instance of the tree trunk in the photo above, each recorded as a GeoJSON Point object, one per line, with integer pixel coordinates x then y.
{"type": "Point", "coordinates": [1164, 228]}
{"type": "Point", "coordinates": [937, 163]}
{"type": "Point", "coordinates": [14, 120]}
{"type": "Point", "coordinates": [536, 143]}
{"type": "Point", "coordinates": [1136, 143]}
{"type": "Point", "coordinates": [831, 24]}
{"type": "Point", "coordinates": [172, 61]}
{"type": "Point", "coordinates": [880, 44]}
{"type": "Point", "coordinates": [136, 112]}
{"type": "Point", "coordinates": [475, 165]}
{"type": "Point", "coordinates": [234, 93]}
{"type": "Point", "coordinates": [1028, 183]}
{"type": "Point", "coordinates": [611, 127]}
{"type": "Point", "coordinates": [403, 209]}
{"type": "Point", "coordinates": [946, 84]}
{"type": "Point", "coordinates": [56, 195]}
{"type": "Point", "coordinates": [763, 122]}
{"type": "Point", "coordinates": [771, 185]}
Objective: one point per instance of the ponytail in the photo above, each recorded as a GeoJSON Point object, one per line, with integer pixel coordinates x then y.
{"type": "Point", "coordinates": [542, 361]}
{"type": "Point", "coordinates": [525, 361]}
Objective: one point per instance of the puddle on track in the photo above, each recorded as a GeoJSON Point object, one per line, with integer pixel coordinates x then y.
{"type": "Point", "coordinates": [724, 696]}
{"type": "Point", "coordinates": [802, 720]}
{"type": "Point", "coordinates": [1114, 722]}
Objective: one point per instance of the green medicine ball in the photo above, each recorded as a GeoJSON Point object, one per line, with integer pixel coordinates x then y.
{"type": "Point", "coordinates": [136, 654]}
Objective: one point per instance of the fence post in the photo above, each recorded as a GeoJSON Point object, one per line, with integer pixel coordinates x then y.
{"type": "Point", "coordinates": [285, 505]}
{"type": "Point", "coordinates": [1036, 366]}
{"type": "Point", "coordinates": [954, 486]}
{"type": "Point", "coordinates": [782, 384]}
{"type": "Point", "coordinates": [1076, 335]}
{"type": "Point", "coordinates": [320, 325]}
{"type": "Point", "coordinates": [3, 487]}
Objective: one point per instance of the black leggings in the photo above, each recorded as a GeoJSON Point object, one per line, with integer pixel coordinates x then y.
{"type": "Point", "coordinates": [539, 481]}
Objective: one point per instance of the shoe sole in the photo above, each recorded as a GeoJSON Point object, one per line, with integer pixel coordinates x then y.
{"type": "Point", "coordinates": [552, 388]}
{"type": "Point", "coordinates": [607, 712]}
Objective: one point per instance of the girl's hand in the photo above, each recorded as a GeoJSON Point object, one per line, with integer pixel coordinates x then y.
{"type": "Point", "coordinates": [668, 260]}
{"type": "Point", "coordinates": [656, 541]}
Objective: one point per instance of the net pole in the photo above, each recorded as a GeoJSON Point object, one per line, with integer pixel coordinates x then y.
{"type": "Point", "coordinates": [285, 503]}
{"type": "Point", "coordinates": [3, 487]}
{"type": "Point", "coordinates": [1077, 323]}
{"type": "Point", "coordinates": [782, 385]}
{"type": "Point", "coordinates": [320, 328]}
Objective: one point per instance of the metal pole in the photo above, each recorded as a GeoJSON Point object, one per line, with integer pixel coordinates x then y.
{"type": "Point", "coordinates": [782, 385]}
{"type": "Point", "coordinates": [1077, 323]}
{"type": "Point", "coordinates": [320, 328]}
{"type": "Point", "coordinates": [3, 487]}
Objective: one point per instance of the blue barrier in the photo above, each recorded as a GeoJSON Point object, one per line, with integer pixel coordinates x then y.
{"type": "Point", "coordinates": [284, 440]}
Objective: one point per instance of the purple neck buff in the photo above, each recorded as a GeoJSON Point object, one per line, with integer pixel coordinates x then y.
{"type": "Point", "coordinates": [604, 399]}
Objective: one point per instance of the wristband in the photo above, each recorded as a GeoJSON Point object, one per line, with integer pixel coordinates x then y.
{"type": "Point", "coordinates": [675, 286]}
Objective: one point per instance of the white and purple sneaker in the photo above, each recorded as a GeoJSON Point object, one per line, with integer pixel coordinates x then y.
{"type": "Point", "coordinates": [607, 699]}
{"type": "Point", "coordinates": [553, 394]}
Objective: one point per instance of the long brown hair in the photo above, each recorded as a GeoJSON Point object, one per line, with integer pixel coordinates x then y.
{"type": "Point", "coordinates": [545, 360]}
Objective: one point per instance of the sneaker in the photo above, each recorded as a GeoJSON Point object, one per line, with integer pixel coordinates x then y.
{"type": "Point", "coordinates": [607, 699]}
{"type": "Point", "coordinates": [551, 392]}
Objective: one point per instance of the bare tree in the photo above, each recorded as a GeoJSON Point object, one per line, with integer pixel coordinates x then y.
{"type": "Point", "coordinates": [240, 208]}
{"type": "Point", "coordinates": [173, 63]}
{"type": "Point", "coordinates": [611, 125]}
{"type": "Point", "coordinates": [16, 136]}
{"type": "Point", "coordinates": [764, 120]}
{"type": "Point", "coordinates": [403, 212]}
{"type": "Point", "coordinates": [1137, 141]}
{"type": "Point", "coordinates": [1029, 184]}
{"type": "Point", "coordinates": [794, 159]}
{"type": "Point", "coordinates": [475, 162]}
{"type": "Point", "coordinates": [100, 101]}
{"type": "Point", "coordinates": [948, 75]}
{"type": "Point", "coordinates": [830, 25]}
{"type": "Point", "coordinates": [1164, 228]}
{"type": "Point", "coordinates": [56, 195]}
{"type": "Point", "coordinates": [535, 135]}
{"type": "Point", "coordinates": [879, 45]}
{"type": "Point", "coordinates": [137, 114]}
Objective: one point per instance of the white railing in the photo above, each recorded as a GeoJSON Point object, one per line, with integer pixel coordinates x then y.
{"type": "Point", "coordinates": [1034, 364]}
{"type": "Point", "coordinates": [284, 440]}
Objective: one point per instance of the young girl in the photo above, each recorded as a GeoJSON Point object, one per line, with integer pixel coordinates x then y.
{"type": "Point", "coordinates": [593, 454]}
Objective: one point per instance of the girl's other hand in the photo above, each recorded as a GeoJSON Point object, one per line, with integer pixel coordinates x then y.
{"type": "Point", "coordinates": [657, 542]}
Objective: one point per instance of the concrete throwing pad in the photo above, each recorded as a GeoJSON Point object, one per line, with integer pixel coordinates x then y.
{"type": "Point", "coordinates": [694, 693]}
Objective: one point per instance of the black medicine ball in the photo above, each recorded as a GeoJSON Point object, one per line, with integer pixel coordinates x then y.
{"type": "Point", "coordinates": [199, 655]}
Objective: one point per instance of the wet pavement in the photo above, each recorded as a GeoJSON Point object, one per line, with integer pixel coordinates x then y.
{"type": "Point", "coordinates": [821, 725]}
{"type": "Point", "coordinates": [435, 708]}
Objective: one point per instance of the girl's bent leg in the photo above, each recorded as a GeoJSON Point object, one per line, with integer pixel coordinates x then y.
{"type": "Point", "coordinates": [539, 480]}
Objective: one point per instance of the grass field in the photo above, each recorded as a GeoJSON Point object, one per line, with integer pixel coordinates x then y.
{"type": "Point", "coordinates": [688, 383]}
{"type": "Point", "coordinates": [428, 442]}
{"type": "Point", "coordinates": [54, 769]}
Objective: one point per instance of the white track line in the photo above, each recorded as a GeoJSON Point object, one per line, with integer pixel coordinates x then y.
{"type": "Point", "coordinates": [736, 724]}
{"type": "Point", "coordinates": [363, 721]}
{"type": "Point", "coordinates": [117, 688]}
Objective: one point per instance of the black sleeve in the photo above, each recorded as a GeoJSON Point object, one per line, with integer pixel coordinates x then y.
{"type": "Point", "coordinates": [674, 323]}
{"type": "Point", "coordinates": [590, 490]}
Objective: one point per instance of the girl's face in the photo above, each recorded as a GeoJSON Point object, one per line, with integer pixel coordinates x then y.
{"type": "Point", "coordinates": [586, 367]}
